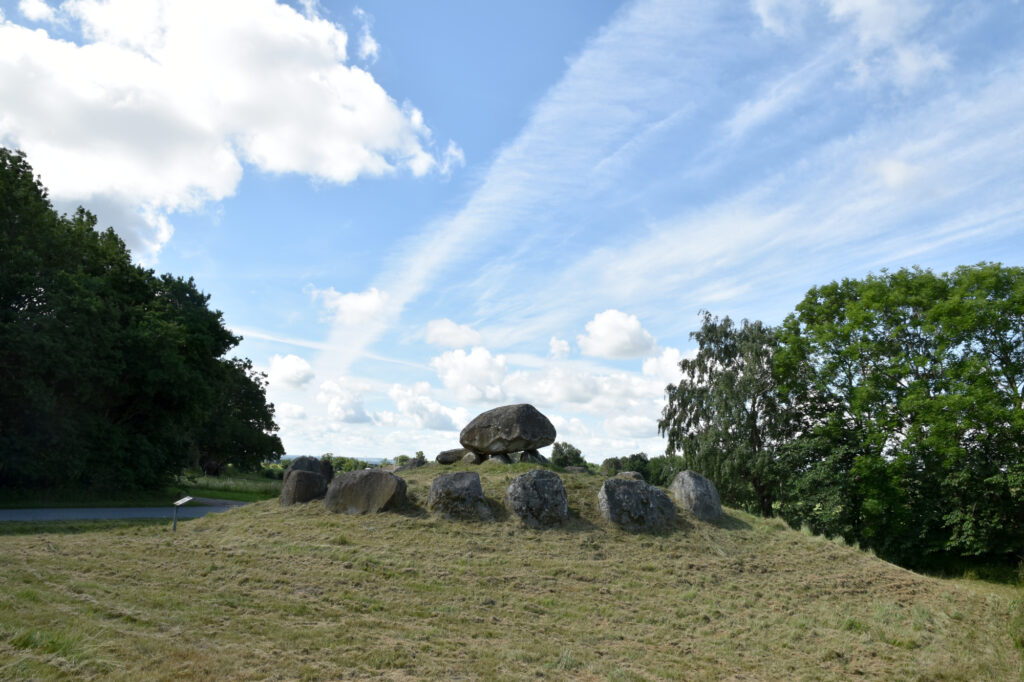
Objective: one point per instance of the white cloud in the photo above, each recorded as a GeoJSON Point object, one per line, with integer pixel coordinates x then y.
{"type": "Point", "coordinates": [156, 112]}
{"type": "Point", "coordinates": [343, 398]}
{"type": "Point", "coordinates": [614, 334]}
{"type": "Point", "coordinates": [558, 348]}
{"type": "Point", "coordinates": [291, 411]}
{"type": "Point", "coordinates": [424, 412]}
{"type": "Point", "coordinates": [631, 426]}
{"type": "Point", "coordinates": [474, 376]}
{"type": "Point", "coordinates": [451, 335]}
{"type": "Point", "coordinates": [914, 62]}
{"type": "Point", "coordinates": [369, 48]}
{"type": "Point", "coordinates": [290, 370]}
{"type": "Point", "coordinates": [353, 309]}
{"type": "Point", "coordinates": [878, 22]}
{"type": "Point", "coordinates": [665, 366]}
{"type": "Point", "coordinates": [779, 16]}
{"type": "Point", "coordinates": [453, 157]}
{"type": "Point", "coordinates": [35, 10]}
{"type": "Point", "coordinates": [896, 173]}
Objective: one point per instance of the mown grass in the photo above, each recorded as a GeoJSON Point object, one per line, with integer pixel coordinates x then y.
{"type": "Point", "coordinates": [265, 592]}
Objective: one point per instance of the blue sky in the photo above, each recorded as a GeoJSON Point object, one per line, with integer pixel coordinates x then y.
{"type": "Point", "coordinates": [414, 212]}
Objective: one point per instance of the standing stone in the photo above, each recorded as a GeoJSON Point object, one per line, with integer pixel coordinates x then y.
{"type": "Point", "coordinates": [635, 505]}
{"type": "Point", "coordinates": [506, 429]}
{"type": "Point", "coordinates": [365, 492]}
{"type": "Point", "coordinates": [307, 463]}
{"type": "Point", "coordinates": [302, 486]}
{"type": "Point", "coordinates": [473, 458]}
{"type": "Point", "coordinates": [451, 456]}
{"type": "Point", "coordinates": [538, 498]}
{"type": "Point", "coordinates": [697, 494]}
{"type": "Point", "coordinates": [459, 495]}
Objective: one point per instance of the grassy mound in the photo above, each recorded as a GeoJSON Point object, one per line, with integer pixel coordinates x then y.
{"type": "Point", "coordinates": [265, 592]}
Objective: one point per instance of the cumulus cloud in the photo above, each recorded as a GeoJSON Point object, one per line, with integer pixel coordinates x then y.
{"type": "Point", "coordinates": [290, 370]}
{"type": "Point", "coordinates": [151, 111]}
{"type": "Point", "coordinates": [291, 411]}
{"type": "Point", "coordinates": [344, 400]}
{"type": "Point", "coordinates": [664, 366]}
{"type": "Point", "coordinates": [369, 48]}
{"type": "Point", "coordinates": [35, 10]}
{"type": "Point", "coordinates": [558, 348]}
{"type": "Point", "coordinates": [352, 309]}
{"type": "Point", "coordinates": [451, 335]}
{"type": "Point", "coordinates": [473, 376]}
{"type": "Point", "coordinates": [424, 412]}
{"type": "Point", "coordinates": [631, 426]}
{"type": "Point", "coordinates": [614, 334]}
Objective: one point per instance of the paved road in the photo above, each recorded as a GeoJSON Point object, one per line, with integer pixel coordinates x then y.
{"type": "Point", "coordinates": [79, 514]}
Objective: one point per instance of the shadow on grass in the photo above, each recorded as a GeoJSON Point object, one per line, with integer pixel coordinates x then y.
{"type": "Point", "coordinates": [729, 522]}
{"type": "Point", "coordinates": [76, 527]}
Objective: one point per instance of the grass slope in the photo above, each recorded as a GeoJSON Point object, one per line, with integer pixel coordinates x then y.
{"type": "Point", "coordinates": [265, 592]}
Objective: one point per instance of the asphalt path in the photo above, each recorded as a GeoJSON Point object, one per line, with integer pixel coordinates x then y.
{"type": "Point", "coordinates": [90, 513]}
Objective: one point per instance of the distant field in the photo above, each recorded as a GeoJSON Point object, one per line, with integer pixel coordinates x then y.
{"type": "Point", "coordinates": [265, 592]}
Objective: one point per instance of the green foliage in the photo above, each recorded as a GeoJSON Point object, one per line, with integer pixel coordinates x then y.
{"type": "Point", "coordinates": [910, 387]}
{"type": "Point", "coordinates": [726, 419]}
{"type": "Point", "coordinates": [113, 376]}
{"type": "Point", "coordinates": [420, 459]}
{"type": "Point", "coordinates": [402, 459]}
{"type": "Point", "coordinates": [637, 462]}
{"type": "Point", "coordinates": [567, 455]}
{"type": "Point", "coordinates": [343, 464]}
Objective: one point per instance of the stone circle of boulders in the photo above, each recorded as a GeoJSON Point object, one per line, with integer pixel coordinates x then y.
{"type": "Point", "coordinates": [459, 495]}
{"type": "Point", "coordinates": [635, 505]}
{"type": "Point", "coordinates": [538, 498]}
{"type": "Point", "coordinates": [508, 429]}
{"type": "Point", "coordinates": [312, 464]}
{"type": "Point", "coordinates": [365, 492]}
{"type": "Point", "coordinates": [698, 494]}
{"type": "Point", "coordinates": [302, 486]}
{"type": "Point", "coordinates": [451, 456]}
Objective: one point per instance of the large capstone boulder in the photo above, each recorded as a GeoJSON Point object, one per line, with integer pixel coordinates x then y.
{"type": "Point", "coordinates": [313, 464]}
{"type": "Point", "coordinates": [538, 498]}
{"type": "Point", "coordinates": [302, 486]}
{"type": "Point", "coordinates": [511, 428]}
{"type": "Point", "coordinates": [459, 495]}
{"type": "Point", "coordinates": [451, 456]}
{"type": "Point", "coordinates": [697, 494]}
{"type": "Point", "coordinates": [635, 505]}
{"type": "Point", "coordinates": [365, 492]}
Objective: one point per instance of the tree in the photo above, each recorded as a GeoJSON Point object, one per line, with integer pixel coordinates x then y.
{"type": "Point", "coordinates": [910, 386]}
{"type": "Point", "coordinates": [726, 418]}
{"type": "Point", "coordinates": [112, 375]}
{"type": "Point", "coordinates": [567, 455]}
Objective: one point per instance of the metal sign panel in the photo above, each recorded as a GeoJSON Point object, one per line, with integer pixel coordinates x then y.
{"type": "Point", "coordinates": [182, 501]}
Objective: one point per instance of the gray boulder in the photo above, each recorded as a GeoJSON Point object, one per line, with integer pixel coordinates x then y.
{"type": "Point", "coordinates": [365, 492]}
{"type": "Point", "coordinates": [302, 486]}
{"type": "Point", "coordinates": [313, 464]}
{"type": "Point", "coordinates": [451, 456]}
{"type": "Point", "coordinates": [533, 457]}
{"type": "Point", "coordinates": [510, 428]}
{"type": "Point", "coordinates": [697, 494]}
{"type": "Point", "coordinates": [538, 498]}
{"type": "Point", "coordinates": [631, 475]}
{"type": "Point", "coordinates": [473, 458]}
{"type": "Point", "coordinates": [635, 505]}
{"type": "Point", "coordinates": [459, 495]}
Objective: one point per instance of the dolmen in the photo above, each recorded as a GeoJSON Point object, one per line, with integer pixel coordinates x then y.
{"type": "Point", "coordinates": [501, 433]}
{"type": "Point", "coordinates": [697, 494]}
{"type": "Point", "coordinates": [635, 505]}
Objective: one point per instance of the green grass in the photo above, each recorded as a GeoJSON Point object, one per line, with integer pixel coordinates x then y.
{"type": "Point", "coordinates": [266, 592]}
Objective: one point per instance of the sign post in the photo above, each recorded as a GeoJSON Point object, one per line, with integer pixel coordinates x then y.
{"type": "Point", "coordinates": [176, 505]}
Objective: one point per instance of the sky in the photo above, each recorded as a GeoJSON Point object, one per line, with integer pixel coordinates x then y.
{"type": "Point", "coordinates": [414, 212]}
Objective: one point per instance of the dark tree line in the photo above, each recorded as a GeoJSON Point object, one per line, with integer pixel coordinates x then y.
{"type": "Point", "coordinates": [113, 376]}
{"type": "Point", "coordinates": [886, 410]}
